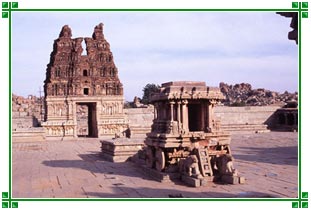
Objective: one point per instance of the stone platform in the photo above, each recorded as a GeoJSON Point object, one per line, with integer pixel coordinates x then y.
{"type": "Point", "coordinates": [76, 169]}
{"type": "Point", "coordinates": [28, 134]}
{"type": "Point", "coordinates": [120, 149]}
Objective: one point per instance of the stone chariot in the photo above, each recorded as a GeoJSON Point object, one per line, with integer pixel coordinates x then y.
{"type": "Point", "coordinates": [186, 138]}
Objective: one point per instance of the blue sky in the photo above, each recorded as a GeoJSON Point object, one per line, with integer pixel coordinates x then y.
{"type": "Point", "coordinates": [157, 47]}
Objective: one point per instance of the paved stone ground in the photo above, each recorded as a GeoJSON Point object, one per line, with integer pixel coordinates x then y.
{"type": "Point", "coordinates": [59, 169]}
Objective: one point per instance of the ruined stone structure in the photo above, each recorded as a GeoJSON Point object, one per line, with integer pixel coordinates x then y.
{"type": "Point", "coordinates": [76, 82]}
{"type": "Point", "coordinates": [286, 118]}
{"type": "Point", "coordinates": [26, 112]}
{"type": "Point", "coordinates": [185, 135]}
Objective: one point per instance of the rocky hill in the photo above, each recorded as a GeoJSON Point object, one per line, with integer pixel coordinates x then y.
{"type": "Point", "coordinates": [243, 95]}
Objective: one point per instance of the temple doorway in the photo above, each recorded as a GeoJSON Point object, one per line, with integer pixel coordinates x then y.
{"type": "Point", "coordinates": [86, 120]}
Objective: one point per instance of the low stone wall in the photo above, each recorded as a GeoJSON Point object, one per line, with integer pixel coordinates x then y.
{"type": "Point", "coordinates": [140, 120]}
{"type": "Point", "coordinates": [28, 134]}
{"type": "Point", "coordinates": [23, 120]}
{"type": "Point", "coordinates": [248, 118]}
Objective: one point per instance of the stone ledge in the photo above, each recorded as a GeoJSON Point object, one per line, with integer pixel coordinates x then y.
{"type": "Point", "coordinates": [121, 149]}
{"type": "Point", "coordinates": [28, 134]}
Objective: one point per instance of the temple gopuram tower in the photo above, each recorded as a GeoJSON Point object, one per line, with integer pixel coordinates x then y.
{"type": "Point", "coordinates": [83, 93]}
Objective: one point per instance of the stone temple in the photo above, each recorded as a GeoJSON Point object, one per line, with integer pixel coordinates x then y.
{"type": "Point", "coordinates": [83, 93]}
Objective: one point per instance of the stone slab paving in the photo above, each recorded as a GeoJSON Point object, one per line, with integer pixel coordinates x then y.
{"type": "Point", "coordinates": [74, 169]}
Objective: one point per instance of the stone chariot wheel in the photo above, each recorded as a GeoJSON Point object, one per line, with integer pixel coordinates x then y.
{"type": "Point", "coordinates": [159, 159]}
{"type": "Point", "coordinates": [149, 157]}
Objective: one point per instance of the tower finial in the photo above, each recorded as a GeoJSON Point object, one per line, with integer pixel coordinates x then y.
{"type": "Point", "coordinates": [65, 32]}
{"type": "Point", "coordinates": [98, 31]}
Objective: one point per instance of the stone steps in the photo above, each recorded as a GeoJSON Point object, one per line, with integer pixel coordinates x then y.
{"type": "Point", "coordinates": [28, 137]}
{"type": "Point", "coordinates": [258, 128]}
{"type": "Point", "coordinates": [28, 134]}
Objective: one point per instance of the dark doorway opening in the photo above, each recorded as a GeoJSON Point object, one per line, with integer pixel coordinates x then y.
{"type": "Point", "coordinates": [194, 117]}
{"type": "Point", "coordinates": [86, 120]}
{"type": "Point", "coordinates": [281, 118]}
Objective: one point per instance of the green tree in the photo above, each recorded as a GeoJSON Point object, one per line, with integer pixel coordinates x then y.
{"type": "Point", "coordinates": [147, 91]}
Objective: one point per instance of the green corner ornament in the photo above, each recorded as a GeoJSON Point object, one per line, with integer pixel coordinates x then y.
{"type": "Point", "coordinates": [304, 5]}
{"type": "Point", "coordinates": [5, 14]}
{"type": "Point", "coordinates": [15, 5]}
{"type": "Point", "coordinates": [304, 14]}
{"type": "Point", "coordinates": [5, 194]}
{"type": "Point", "coordinates": [14, 204]}
{"type": "Point", "coordinates": [5, 5]}
{"type": "Point", "coordinates": [295, 5]}
{"type": "Point", "coordinates": [294, 204]}
{"type": "Point", "coordinates": [5, 205]}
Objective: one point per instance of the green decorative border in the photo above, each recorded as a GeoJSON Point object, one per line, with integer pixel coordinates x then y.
{"type": "Point", "coordinates": [300, 202]}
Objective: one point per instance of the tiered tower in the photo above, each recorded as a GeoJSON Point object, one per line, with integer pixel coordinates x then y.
{"type": "Point", "coordinates": [83, 93]}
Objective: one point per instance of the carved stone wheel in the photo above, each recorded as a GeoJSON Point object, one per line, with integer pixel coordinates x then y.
{"type": "Point", "coordinates": [160, 159]}
{"type": "Point", "coordinates": [149, 157]}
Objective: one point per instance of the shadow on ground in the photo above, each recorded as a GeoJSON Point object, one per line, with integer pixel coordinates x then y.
{"type": "Point", "coordinates": [95, 163]}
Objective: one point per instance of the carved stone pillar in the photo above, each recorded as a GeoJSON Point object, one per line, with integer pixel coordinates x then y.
{"type": "Point", "coordinates": [70, 111]}
{"type": "Point", "coordinates": [172, 110]}
{"type": "Point", "coordinates": [74, 111]}
{"type": "Point", "coordinates": [178, 113]}
{"type": "Point", "coordinates": [185, 121]}
{"type": "Point", "coordinates": [98, 106]}
{"type": "Point", "coordinates": [205, 107]}
{"type": "Point", "coordinates": [210, 113]}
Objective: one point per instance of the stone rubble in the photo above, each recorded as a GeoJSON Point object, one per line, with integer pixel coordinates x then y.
{"type": "Point", "coordinates": [243, 95]}
{"type": "Point", "coordinates": [29, 106]}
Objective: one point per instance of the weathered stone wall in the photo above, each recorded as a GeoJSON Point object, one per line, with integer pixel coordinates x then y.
{"type": "Point", "coordinates": [245, 115]}
{"type": "Point", "coordinates": [249, 118]}
{"type": "Point", "coordinates": [19, 122]}
{"type": "Point", "coordinates": [140, 120]}
{"type": "Point", "coordinates": [140, 116]}
{"type": "Point", "coordinates": [26, 112]}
